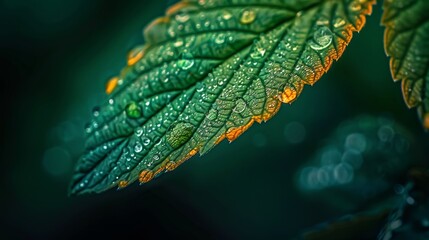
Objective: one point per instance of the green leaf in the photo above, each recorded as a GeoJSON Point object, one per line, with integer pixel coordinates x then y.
{"type": "Point", "coordinates": [208, 71]}
{"type": "Point", "coordinates": [406, 40]}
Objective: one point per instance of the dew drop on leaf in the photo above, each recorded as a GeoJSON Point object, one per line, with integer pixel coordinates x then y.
{"type": "Point", "coordinates": [322, 38]}
{"type": "Point", "coordinates": [146, 141]}
{"type": "Point", "coordinates": [220, 39]}
{"type": "Point", "coordinates": [200, 87]}
{"type": "Point", "coordinates": [226, 15]}
{"type": "Point", "coordinates": [178, 43]}
{"type": "Point", "coordinates": [182, 17]}
{"type": "Point", "coordinates": [247, 16]}
{"type": "Point", "coordinates": [139, 132]}
{"type": "Point", "coordinates": [186, 62]}
{"type": "Point", "coordinates": [133, 110]}
{"type": "Point", "coordinates": [96, 111]}
{"type": "Point", "coordinates": [240, 106]}
{"type": "Point", "coordinates": [258, 54]}
{"type": "Point", "coordinates": [171, 31]}
{"type": "Point", "coordinates": [88, 128]}
{"type": "Point", "coordinates": [138, 147]}
{"type": "Point", "coordinates": [179, 134]}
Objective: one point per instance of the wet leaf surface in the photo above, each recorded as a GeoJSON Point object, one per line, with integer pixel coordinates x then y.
{"type": "Point", "coordinates": [208, 71]}
{"type": "Point", "coordinates": [406, 41]}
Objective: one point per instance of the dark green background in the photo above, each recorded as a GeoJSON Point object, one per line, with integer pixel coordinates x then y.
{"type": "Point", "coordinates": [57, 56]}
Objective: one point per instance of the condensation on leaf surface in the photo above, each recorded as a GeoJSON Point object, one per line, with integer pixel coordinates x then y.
{"type": "Point", "coordinates": [406, 41]}
{"type": "Point", "coordinates": [208, 71]}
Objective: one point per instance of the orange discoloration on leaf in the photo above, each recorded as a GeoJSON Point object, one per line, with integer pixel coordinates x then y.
{"type": "Point", "coordinates": [157, 21]}
{"type": "Point", "coordinates": [288, 96]}
{"type": "Point", "coordinates": [170, 166]}
{"type": "Point", "coordinates": [220, 139]}
{"type": "Point", "coordinates": [177, 7]}
{"type": "Point", "coordinates": [111, 85]}
{"type": "Point", "coordinates": [160, 170]}
{"type": "Point", "coordinates": [122, 184]}
{"type": "Point", "coordinates": [189, 155]}
{"type": "Point", "coordinates": [273, 106]}
{"type": "Point", "coordinates": [234, 133]}
{"type": "Point", "coordinates": [135, 55]}
{"type": "Point", "coordinates": [145, 176]}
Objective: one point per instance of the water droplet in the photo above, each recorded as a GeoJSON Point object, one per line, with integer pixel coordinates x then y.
{"type": "Point", "coordinates": [133, 110]}
{"type": "Point", "coordinates": [226, 15]}
{"type": "Point", "coordinates": [322, 38]}
{"type": "Point", "coordinates": [200, 87]}
{"type": "Point", "coordinates": [240, 106]}
{"type": "Point", "coordinates": [178, 43]}
{"type": "Point", "coordinates": [88, 128]}
{"type": "Point", "coordinates": [186, 62]}
{"type": "Point", "coordinates": [182, 17]}
{"type": "Point", "coordinates": [156, 157]}
{"type": "Point", "coordinates": [220, 39]}
{"type": "Point", "coordinates": [146, 141]}
{"type": "Point", "coordinates": [179, 134]}
{"type": "Point", "coordinates": [138, 147]}
{"type": "Point", "coordinates": [96, 111]}
{"type": "Point", "coordinates": [339, 22]}
{"type": "Point", "coordinates": [258, 54]}
{"type": "Point", "coordinates": [247, 16]}
{"type": "Point", "coordinates": [171, 31]}
{"type": "Point", "coordinates": [139, 132]}
{"type": "Point", "coordinates": [354, 6]}
{"type": "Point", "coordinates": [222, 81]}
